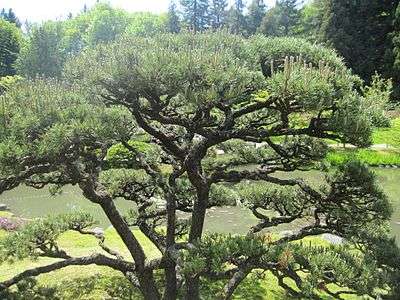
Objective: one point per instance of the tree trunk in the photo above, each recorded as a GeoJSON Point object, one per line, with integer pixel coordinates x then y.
{"type": "Point", "coordinates": [148, 285]}
{"type": "Point", "coordinates": [171, 290]}
{"type": "Point", "coordinates": [146, 279]}
{"type": "Point", "coordinates": [192, 288]}
{"type": "Point", "coordinates": [196, 230]}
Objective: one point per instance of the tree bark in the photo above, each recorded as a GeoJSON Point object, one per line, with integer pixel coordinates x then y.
{"type": "Point", "coordinates": [145, 277]}
{"type": "Point", "coordinates": [97, 259]}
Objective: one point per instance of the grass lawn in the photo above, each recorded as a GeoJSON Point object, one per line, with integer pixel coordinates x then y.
{"type": "Point", "coordinates": [370, 157]}
{"type": "Point", "coordinates": [93, 282]}
{"type": "Point", "coordinates": [390, 136]}
{"type": "Point", "coordinates": [380, 136]}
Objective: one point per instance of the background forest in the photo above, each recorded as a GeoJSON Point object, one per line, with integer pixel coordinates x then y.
{"type": "Point", "coordinates": [365, 33]}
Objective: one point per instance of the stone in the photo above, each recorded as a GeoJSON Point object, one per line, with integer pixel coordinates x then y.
{"type": "Point", "coordinates": [3, 207]}
{"type": "Point", "coordinates": [333, 239]}
{"type": "Point", "coordinates": [98, 231]}
{"type": "Point", "coordinates": [219, 151]}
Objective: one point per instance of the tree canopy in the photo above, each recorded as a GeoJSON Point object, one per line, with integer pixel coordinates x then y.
{"type": "Point", "coordinates": [10, 44]}
{"type": "Point", "coordinates": [359, 30]}
{"type": "Point", "coordinates": [187, 96]}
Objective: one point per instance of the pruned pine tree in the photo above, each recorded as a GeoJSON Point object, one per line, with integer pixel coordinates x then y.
{"type": "Point", "coordinates": [190, 95]}
{"type": "Point", "coordinates": [195, 14]}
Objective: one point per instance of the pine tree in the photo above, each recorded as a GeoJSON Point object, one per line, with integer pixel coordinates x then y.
{"type": "Point", "coordinates": [395, 55]}
{"type": "Point", "coordinates": [289, 15]}
{"type": "Point", "coordinates": [256, 12]}
{"type": "Point", "coordinates": [10, 17]}
{"type": "Point", "coordinates": [311, 19]}
{"type": "Point", "coordinates": [236, 21]}
{"type": "Point", "coordinates": [195, 14]}
{"type": "Point", "coordinates": [10, 43]}
{"type": "Point", "coordinates": [281, 20]}
{"type": "Point", "coordinates": [218, 13]}
{"type": "Point", "coordinates": [360, 32]}
{"type": "Point", "coordinates": [173, 24]}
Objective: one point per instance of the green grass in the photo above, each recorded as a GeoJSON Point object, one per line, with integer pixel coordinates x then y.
{"type": "Point", "coordinates": [5, 214]}
{"type": "Point", "coordinates": [93, 282]}
{"type": "Point", "coordinates": [390, 136]}
{"type": "Point", "coordinates": [370, 157]}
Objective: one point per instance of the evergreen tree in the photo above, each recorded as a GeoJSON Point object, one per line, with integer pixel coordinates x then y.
{"type": "Point", "coordinates": [218, 13]}
{"type": "Point", "coordinates": [192, 94]}
{"type": "Point", "coordinates": [236, 21]}
{"type": "Point", "coordinates": [10, 17]}
{"type": "Point", "coordinates": [359, 31]}
{"type": "Point", "coordinates": [195, 14]}
{"type": "Point", "coordinates": [42, 54]}
{"type": "Point", "coordinates": [395, 55]}
{"type": "Point", "coordinates": [311, 18]}
{"type": "Point", "coordinates": [281, 20]}
{"type": "Point", "coordinates": [173, 24]}
{"type": "Point", "coordinates": [256, 12]}
{"type": "Point", "coordinates": [10, 41]}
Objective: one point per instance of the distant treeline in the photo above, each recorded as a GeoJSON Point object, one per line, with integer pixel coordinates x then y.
{"type": "Point", "coordinates": [365, 32]}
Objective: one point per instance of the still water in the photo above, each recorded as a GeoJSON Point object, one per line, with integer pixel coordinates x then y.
{"type": "Point", "coordinates": [29, 203]}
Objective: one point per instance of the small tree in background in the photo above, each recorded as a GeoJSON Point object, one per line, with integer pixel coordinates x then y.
{"type": "Point", "coordinates": [281, 20]}
{"type": "Point", "coordinates": [311, 18]}
{"type": "Point", "coordinates": [10, 17]}
{"type": "Point", "coordinates": [396, 53]}
{"type": "Point", "coordinates": [218, 13]}
{"type": "Point", "coordinates": [359, 31]}
{"type": "Point", "coordinates": [192, 95]}
{"type": "Point", "coordinates": [236, 21]}
{"type": "Point", "coordinates": [256, 12]}
{"type": "Point", "coordinates": [10, 44]}
{"type": "Point", "coordinates": [174, 25]}
{"type": "Point", "coordinates": [42, 54]}
{"type": "Point", "coordinates": [195, 14]}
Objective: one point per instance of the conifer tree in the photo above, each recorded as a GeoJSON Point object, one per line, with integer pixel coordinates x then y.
{"type": "Point", "coordinates": [173, 24]}
{"type": "Point", "coordinates": [218, 13]}
{"type": "Point", "coordinates": [236, 21]}
{"type": "Point", "coordinates": [311, 17]}
{"type": "Point", "coordinates": [10, 42]}
{"type": "Point", "coordinates": [195, 14]}
{"type": "Point", "coordinates": [359, 31]}
{"type": "Point", "coordinates": [256, 12]}
{"type": "Point", "coordinates": [140, 120]}
{"type": "Point", "coordinates": [395, 55]}
{"type": "Point", "coordinates": [281, 20]}
{"type": "Point", "coordinates": [10, 17]}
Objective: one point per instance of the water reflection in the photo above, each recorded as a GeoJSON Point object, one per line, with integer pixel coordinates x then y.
{"type": "Point", "coordinates": [30, 203]}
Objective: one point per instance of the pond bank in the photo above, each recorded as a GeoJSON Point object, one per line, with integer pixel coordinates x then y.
{"type": "Point", "coordinates": [30, 203]}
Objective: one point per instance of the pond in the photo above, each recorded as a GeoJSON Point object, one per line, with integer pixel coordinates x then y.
{"type": "Point", "coordinates": [29, 203]}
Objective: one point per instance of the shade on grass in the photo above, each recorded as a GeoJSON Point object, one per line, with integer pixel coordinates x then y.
{"type": "Point", "coordinates": [94, 282]}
